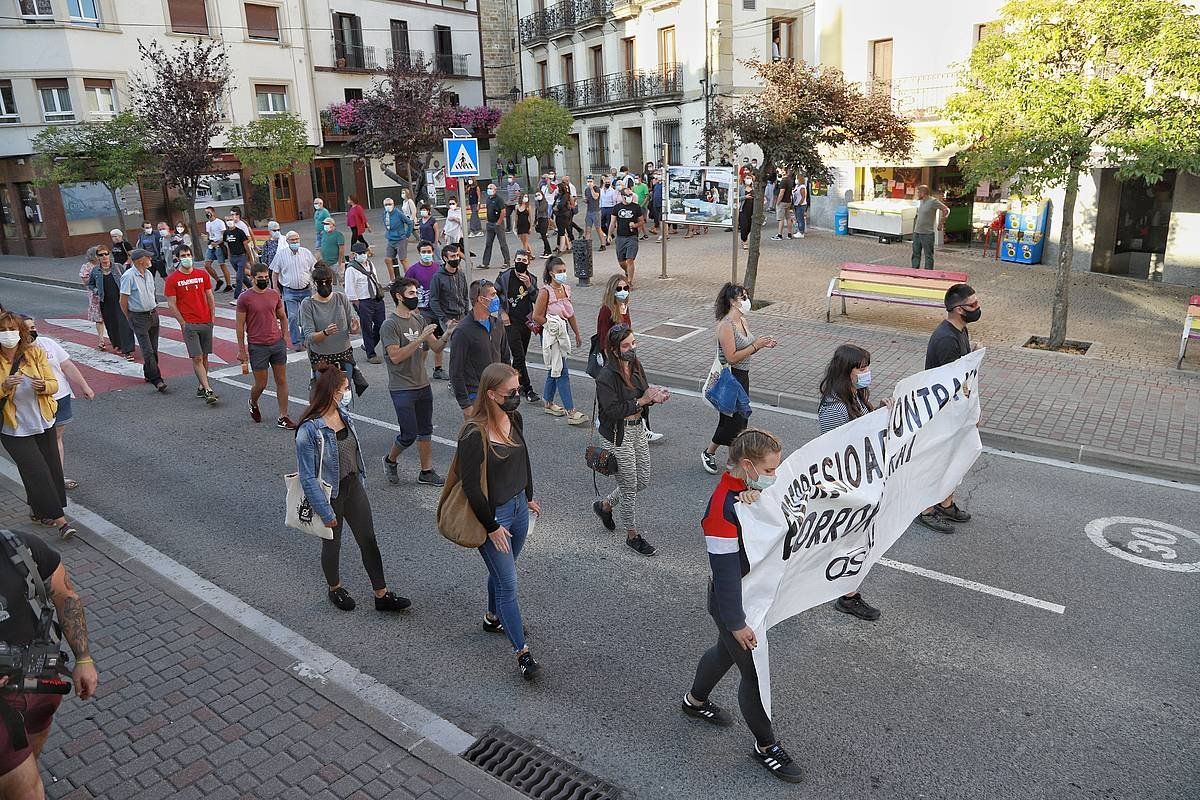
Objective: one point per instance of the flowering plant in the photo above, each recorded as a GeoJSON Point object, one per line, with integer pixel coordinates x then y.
{"type": "Point", "coordinates": [480, 119]}
{"type": "Point", "coordinates": [342, 114]}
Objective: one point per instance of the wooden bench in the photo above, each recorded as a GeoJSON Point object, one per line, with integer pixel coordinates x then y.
{"type": "Point", "coordinates": [1191, 327]}
{"type": "Point", "coordinates": [911, 287]}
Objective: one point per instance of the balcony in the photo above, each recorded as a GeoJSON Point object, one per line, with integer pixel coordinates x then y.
{"type": "Point", "coordinates": [920, 98]}
{"type": "Point", "coordinates": [562, 19]}
{"type": "Point", "coordinates": [347, 56]}
{"type": "Point", "coordinates": [409, 59]}
{"type": "Point", "coordinates": [636, 88]}
{"type": "Point", "coordinates": [453, 64]}
{"type": "Point", "coordinates": [590, 13]}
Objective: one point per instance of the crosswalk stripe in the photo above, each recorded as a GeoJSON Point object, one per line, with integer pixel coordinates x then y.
{"type": "Point", "coordinates": [166, 344]}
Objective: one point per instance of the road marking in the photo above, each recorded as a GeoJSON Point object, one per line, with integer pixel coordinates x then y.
{"type": "Point", "coordinates": [165, 344]}
{"type": "Point", "coordinates": [99, 360]}
{"type": "Point", "coordinates": [1147, 536]}
{"type": "Point", "coordinates": [974, 586]}
{"type": "Point", "coordinates": [41, 285]}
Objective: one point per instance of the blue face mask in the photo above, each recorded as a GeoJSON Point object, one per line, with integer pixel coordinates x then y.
{"type": "Point", "coordinates": [293, 246]}
{"type": "Point", "coordinates": [560, 277]}
{"type": "Point", "coordinates": [494, 305]}
{"type": "Point", "coordinates": [761, 483]}
{"type": "Point", "coordinates": [864, 380]}
{"type": "Point", "coordinates": [621, 295]}
{"type": "Point", "coordinates": [426, 258]}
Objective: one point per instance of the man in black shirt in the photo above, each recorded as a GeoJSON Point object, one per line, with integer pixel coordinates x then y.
{"type": "Point", "coordinates": [518, 288]}
{"type": "Point", "coordinates": [239, 255]}
{"type": "Point", "coordinates": [628, 220]}
{"type": "Point", "coordinates": [950, 342]}
{"type": "Point", "coordinates": [27, 716]}
{"type": "Point", "coordinates": [496, 214]}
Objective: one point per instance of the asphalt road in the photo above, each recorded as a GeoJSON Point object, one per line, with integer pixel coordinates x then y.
{"type": "Point", "coordinates": [952, 693]}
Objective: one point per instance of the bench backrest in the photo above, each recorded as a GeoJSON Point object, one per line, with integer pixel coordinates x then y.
{"type": "Point", "coordinates": [898, 281]}
{"type": "Point", "coordinates": [1191, 324]}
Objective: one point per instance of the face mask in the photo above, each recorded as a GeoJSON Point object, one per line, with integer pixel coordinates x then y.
{"type": "Point", "coordinates": [560, 277]}
{"type": "Point", "coordinates": [179, 229]}
{"type": "Point", "coordinates": [346, 398]}
{"type": "Point", "coordinates": [262, 283]}
{"type": "Point", "coordinates": [10, 338]}
{"type": "Point", "coordinates": [972, 316]}
{"type": "Point", "coordinates": [494, 305]}
{"type": "Point", "coordinates": [491, 192]}
{"type": "Point", "coordinates": [452, 206]}
{"type": "Point", "coordinates": [621, 295]}
{"type": "Point", "coordinates": [510, 404]}
{"type": "Point", "coordinates": [453, 262]}
{"type": "Point", "coordinates": [629, 355]}
{"type": "Point", "coordinates": [164, 231]}
{"type": "Point", "coordinates": [539, 197]}
{"type": "Point", "coordinates": [744, 305]}
{"type": "Point", "coordinates": [147, 230]}
{"type": "Point", "coordinates": [389, 206]}
{"type": "Point", "coordinates": [409, 302]}
{"type": "Point", "coordinates": [762, 482]}
{"type": "Point", "coordinates": [317, 206]}
{"type": "Point", "coordinates": [360, 258]}
{"type": "Point", "coordinates": [185, 262]}
{"type": "Point", "coordinates": [275, 234]}
{"type": "Point", "coordinates": [324, 289]}
{"type": "Point", "coordinates": [426, 258]}
{"type": "Point", "coordinates": [864, 380]}
{"type": "Point", "coordinates": [32, 335]}
{"type": "Point", "coordinates": [328, 228]}
{"type": "Point", "coordinates": [294, 246]}
{"type": "Point", "coordinates": [522, 267]}
{"type": "Point", "coordinates": [628, 198]}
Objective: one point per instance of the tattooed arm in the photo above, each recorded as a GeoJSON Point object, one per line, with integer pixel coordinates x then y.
{"type": "Point", "coordinates": [74, 626]}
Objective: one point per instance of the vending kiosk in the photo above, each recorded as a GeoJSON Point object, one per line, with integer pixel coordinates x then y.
{"type": "Point", "coordinates": [1025, 231]}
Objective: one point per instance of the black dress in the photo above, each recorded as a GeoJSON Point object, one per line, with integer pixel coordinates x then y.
{"type": "Point", "coordinates": [523, 226]}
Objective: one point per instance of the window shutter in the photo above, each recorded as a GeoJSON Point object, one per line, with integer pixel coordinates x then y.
{"type": "Point", "coordinates": [51, 83]}
{"type": "Point", "coordinates": [262, 22]}
{"type": "Point", "coordinates": [96, 83]}
{"type": "Point", "coordinates": [188, 16]}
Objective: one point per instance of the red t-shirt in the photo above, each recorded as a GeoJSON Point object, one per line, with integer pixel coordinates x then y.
{"type": "Point", "coordinates": [191, 294]}
{"type": "Point", "coordinates": [262, 323]}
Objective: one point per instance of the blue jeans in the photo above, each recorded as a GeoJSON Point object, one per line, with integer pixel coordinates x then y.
{"type": "Point", "coordinates": [561, 384]}
{"type": "Point", "coordinates": [502, 569]}
{"type": "Point", "coordinates": [292, 298]}
{"type": "Point", "coordinates": [239, 273]}
{"type": "Point", "coordinates": [320, 236]}
{"type": "Point", "coordinates": [414, 415]}
{"type": "Point", "coordinates": [800, 221]}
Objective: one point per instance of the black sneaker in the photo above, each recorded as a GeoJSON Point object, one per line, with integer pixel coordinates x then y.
{"type": "Point", "coordinates": [529, 668]}
{"type": "Point", "coordinates": [392, 470]}
{"type": "Point", "coordinates": [709, 712]}
{"type": "Point", "coordinates": [392, 602]}
{"type": "Point", "coordinates": [492, 625]}
{"type": "Point", "coordinates": [709, 461]}
{"type": "Point", "coordinates": [162, 387]}
{"type": "Point", "coordinates": [857, 607]}
{"type": "Point", "coordinates": [640, 545]}
{"type": "Point", "coordinates": [430, 478]}
{"type": "Point", "coordinates": [439, 374]}
{"type": "Point", "coordinates": [935, 522]}
{"type": "Point", "coordinates": [605, 516]}
{"type": "Point", "coordinates": [779, 763]}
{"type": "Point", "coordinates": [199, 391]}
{"type": "Point", "coordinates": [341, 598]}
{"type": "Point", "coordinates": [531, 396]}
{"type": "Point", "coordinates": [211, 398]}
{"type": "Point", "coordinates": [777, 238]}
{"type": "Point", "coordinates": [953, 513]}
{"type": "Point", "coordinates": [218, 285]}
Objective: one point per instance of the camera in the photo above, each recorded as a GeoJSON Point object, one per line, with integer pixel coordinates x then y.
{"type": "Point", "coordinates": [37, 668]}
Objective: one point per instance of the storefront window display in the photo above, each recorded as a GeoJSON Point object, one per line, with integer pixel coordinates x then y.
{"type": "Point", "coordinates": [32, 209]}
{"type": "Point", "coordinates": [221, 191]}
{"type": "Point", "coordinates": [7, 215]}
{"type": "Point", "coordinates": [88, 208]}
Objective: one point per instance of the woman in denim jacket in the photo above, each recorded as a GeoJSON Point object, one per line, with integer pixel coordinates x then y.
{"type": "Point", "coordinates": [326, 433]}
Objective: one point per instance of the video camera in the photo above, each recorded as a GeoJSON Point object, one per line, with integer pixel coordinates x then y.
{"type": "Point", "coordinates": [36, 668]}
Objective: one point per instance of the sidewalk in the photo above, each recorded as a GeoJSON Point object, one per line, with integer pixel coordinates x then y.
{"type": "Point", "coordinates": [192, 705]}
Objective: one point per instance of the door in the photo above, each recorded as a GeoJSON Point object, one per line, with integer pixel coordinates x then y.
{"type": "Point", "coordinates": [327, 183]}
{"type": "Point", "coordinates": [348, 46]}
{"type": "Point", "coordinates": [360, 183]}
{"type": "Point", "coordinates": [575, 161]}
{"type": "Point", "coordinates": [283, 197]}
{"type": "Point", "coordinates": [443, 44]}
{"type": "Point", "coordinates": [629, 54]}
{"type": "Point", "coordinates": [881, 66]}
{"type": "Point", "coordinates": [568, 71]}
{"type": "Point", "coordinates": [666, 48]}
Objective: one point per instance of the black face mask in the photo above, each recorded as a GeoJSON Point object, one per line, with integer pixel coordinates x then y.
{"type": "Point", "coordinates": [453, 262]}
{"type": "Point", "coordinates": [972, 316]}
{"type": "Point", "coordinates": [262, 283]}
{"type": "Point", "coordinates": [628, 355]}
{"type": "Point", "coordinates": [522, 266]}
{"type": "Point", "coordinates": [510, 404]}
{"type": "Point", "coordinates": [324, 289]}
{"type": "Point", "coordinates": [409, 302]}
{"type": "Point", "coordinates": [32, 335]}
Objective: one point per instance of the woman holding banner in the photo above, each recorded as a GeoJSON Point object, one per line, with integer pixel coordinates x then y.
{"type": "Point", "coordinates": [845, 395]}
{"type": "Point", "coordinates": [754, 456]}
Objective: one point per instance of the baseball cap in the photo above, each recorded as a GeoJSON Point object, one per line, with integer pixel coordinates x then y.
{"type": "Point", "coordinates": [140, 252]}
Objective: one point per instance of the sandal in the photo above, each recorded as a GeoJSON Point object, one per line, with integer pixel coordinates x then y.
{"type": "Point", "coordinates": [554, 410]}
{"type": "Point", "coordinates": [128, 356]}
{"type": "Point", "coordinates": [70, 484]}
{"type": "Point", "coordinates": [46, 521]}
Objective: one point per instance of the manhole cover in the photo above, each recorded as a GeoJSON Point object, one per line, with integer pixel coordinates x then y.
{"type": "Point", "coordinates": [671, 331]}
{"type": "Point", "coordinates": [533, 771]}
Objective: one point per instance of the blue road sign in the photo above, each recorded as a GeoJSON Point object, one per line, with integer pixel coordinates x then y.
{"type": "Point", "coordinates": [462, 158]}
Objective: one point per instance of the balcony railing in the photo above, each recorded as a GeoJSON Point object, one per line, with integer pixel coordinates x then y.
{"type": "Point", "coordinates": [353, 56]}
{"type": "Point", "coordinates": [450, 63]}
{"type": "Point", "coordinates": [618, 88]}
{"type": "Point", "coordinates": [919, 97]}
{"type": "Point", "coordinates": [562, 19]}
{"type": "Point", "coordinates": [408, 58]}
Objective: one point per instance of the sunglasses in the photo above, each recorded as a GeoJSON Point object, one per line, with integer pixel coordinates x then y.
{"type": "Point", "coordinates": [619, 287]}
{"type": "Point", "coordinates": [512, 394]}
{"type": "Point", "coordinates": [104, 253]}
{"type": "Point", "coordinates": [323, 283]}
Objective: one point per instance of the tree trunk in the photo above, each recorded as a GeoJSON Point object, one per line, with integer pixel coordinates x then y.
{"type": "Point", "coordinates": [1066, 254]}
{"type": "Point", "coordinates": [117, 205]}
{"type": "Point", "coordinates": [190, 194]}
{"type": "Point", "coordinates": [756, 225]}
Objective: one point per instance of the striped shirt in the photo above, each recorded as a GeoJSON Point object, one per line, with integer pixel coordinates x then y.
{"type": "Point", "coordinates": [834, 413]}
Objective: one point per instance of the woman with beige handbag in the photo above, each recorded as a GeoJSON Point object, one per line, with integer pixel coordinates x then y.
{"type": "Point", "coordinates": [493, 466]}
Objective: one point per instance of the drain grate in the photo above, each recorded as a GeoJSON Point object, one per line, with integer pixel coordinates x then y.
{"type": "Point", "coordinates": [534, 771]}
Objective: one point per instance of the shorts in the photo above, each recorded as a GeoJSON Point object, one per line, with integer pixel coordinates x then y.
{"type": "Point", "coordinates": [414, 415]}
{"type": "Point", "coordinates": [64, 411]}
{"type": "Point", "coordinates": [592, 219]}
{"type": "Point", "coordinates": [627, 248]}
{"type": "Point", "coordinates": [398, 250]}
{"type": "Point", "coordinates": [782, 210]}
{"type": "Point", "coordinates": [267, 355]}
{"type": "Point", "coordinates": [214, 254]}
{"type": "Point", "coordinates": [38, 711]}
{"type": "Point", "coordinates": [198, 337]}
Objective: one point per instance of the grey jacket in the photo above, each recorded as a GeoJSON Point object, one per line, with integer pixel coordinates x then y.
{"type": "Point", "coordinates": [448, 295]}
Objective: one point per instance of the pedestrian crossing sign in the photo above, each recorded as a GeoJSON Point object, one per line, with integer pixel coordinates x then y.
{"type": "Point", "coordinates": [462, 158]}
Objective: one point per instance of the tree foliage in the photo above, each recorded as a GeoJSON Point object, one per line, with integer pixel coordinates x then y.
{"type": "Point", "coordinates": [534, 128]}
{"type": "Point", "coordinates": [112, 153]}
{"type": "Point", "coordinates": [178, 96]}
{"type": "Point", "coordinates": [270, 144]}
{"type": "Point", "coordinates": [801, 114]}
{"type": "Point", "coordinates": [1068, 85]}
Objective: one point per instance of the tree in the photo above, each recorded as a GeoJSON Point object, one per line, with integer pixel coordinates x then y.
{"type": "Point", "coordinates": [270, 144]}
{"type": "Point", "coordinates": [801, 112]}
{"type": "Point", "coordinates": [1067, 85]}
{"type": "Point", "coordinates": [112, 153]}
{"type": "Point", "coordinates": [179, 98]}
{"type": "Point", "coordinates": [533, 129]}
{"type": "Point", "coordinates": [402, 118]}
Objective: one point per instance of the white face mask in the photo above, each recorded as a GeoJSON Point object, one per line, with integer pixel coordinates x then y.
{"type": "Point", "coordinates": [744, 305]}
{"type": "Point", "coordinates": [10, 338]}
{"type": "Point", "coordinates": [389, 206]}
{"type": "Point", "coordinates": [360, 258]}
{"type": "Point", "coordinates": [179, 229]}
{"type": "Point", "coordinates": [346, 398]}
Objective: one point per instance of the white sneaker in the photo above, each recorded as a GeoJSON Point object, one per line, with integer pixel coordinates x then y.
{"type": "Point", "coordinates": [797, 235]}
{"type": "Point", "coordinates": [660, 240]}
{"type": "Point", "coordinates": [651, 436]}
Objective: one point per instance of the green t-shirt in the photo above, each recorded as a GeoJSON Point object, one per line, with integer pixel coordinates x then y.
{"type": "Point", "coordinates": [330, 244]}
{"type": "Point", "coordinates": [319, 217]}
{"type": "Point", "coordinates": [642, 191]}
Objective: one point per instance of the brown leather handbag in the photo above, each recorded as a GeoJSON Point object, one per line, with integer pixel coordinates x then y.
{"type": "Point", "coordinates": [455, 519]}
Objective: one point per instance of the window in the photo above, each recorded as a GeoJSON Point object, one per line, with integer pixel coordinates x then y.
{"type": "Point", "coordinates": [85, 12]}
{"type": "Point", "coordinates": [543, 75]}
{"type": "Point", "coordinates": [985, 29]}
{"type": "Point", "coordinates": [101, 97]}
{"type": "Point", "coordinates": [667, 147]}
{"type": "Point", "coordinates": [35, 12]}
{"type": "Point", "coordinates": [262, 22]}
{"type": "Point", "coordinates": [628, 54]}
{"type": "Point", "coordinates": [598, 150]}
{"type": "Point", "coordinates": [666, 47]}
{"type": "Point", "coordinates": [8, 103]}
{"type": "Point", "coordinates": [352, 95]}
{"type": "Point", "coordinates": [271, 99]}
{"type": "Point", "coordinates": [400, 46]}
{"type": "Point", "coordinates": [568, 68]}
{"type": "Point", "coordinates": [188, 16]}
{"type": "Point", "coordinates": [597, 54]}
{"type": "Point", "coordinates": [348, 48]}
{"type": "Point", "coordinates": [747, 5]}
{"type": "Point", "coordinates": [881, 65]}
{"type": "Point", "coordinates": [443, 45]}
{"type": "Point", "coordinates": [56, 101]}
{"type": "Point", "coordinates": [781, 39]}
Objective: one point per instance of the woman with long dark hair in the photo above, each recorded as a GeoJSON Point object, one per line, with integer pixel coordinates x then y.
{"type": "Point", "coordinates": [494, 431]}
{"type": "Point", "coordinates": [746, 213]}
{"type": "Point", "coordinates": [614, 310]}
{"type": "Point", "coordinates": [735, 347]}
{"type": "Point", "coordinates": [328, 449]}
{"type": "Point", "coordinates": [623, 394]}
{"type": "Point", "coordinates": [562, 217]}
{"type": "Point", "coordinates": [846, 395]}
{"type": "Point", "coordinates": [105, 283]}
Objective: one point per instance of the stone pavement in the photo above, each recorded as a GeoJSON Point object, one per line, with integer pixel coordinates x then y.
{"type": "Point", "coordinates": [191, 705]}
{"type": "Point", "coordinates": [1122, 405]}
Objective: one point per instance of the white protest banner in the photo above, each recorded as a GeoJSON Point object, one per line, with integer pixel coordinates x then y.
{"type": "Point", "coordinates": [844, 498]}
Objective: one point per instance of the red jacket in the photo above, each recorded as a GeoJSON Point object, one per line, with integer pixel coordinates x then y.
{"type": "Point", "coordinates": [356, 217]}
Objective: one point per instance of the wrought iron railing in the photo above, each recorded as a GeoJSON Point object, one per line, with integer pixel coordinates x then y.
{"type": "Point", "coordinates": [617, 88]}
{"type": "Point", "coordinates": [353, 56]}
{"type": "Point", "coordinates": [919, 97]}
{"type": "Point", "coordinates": [408, 57]}
{"type": "Point", "coordinates": [450, 63]}
{"type": "Point", "coordinates": [562, 19]}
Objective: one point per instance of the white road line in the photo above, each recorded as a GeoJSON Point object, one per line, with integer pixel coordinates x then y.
{"type": "Point", "coordinates": [166, 345]}
{"type": "Point", "coordinates": [974, 586]}
{"type": "Point", "coordinates": [101, 361]}
{"type": "Point", "coordinates": [221, 332]}
{"type": "Point", "coordinates": [41, 285]}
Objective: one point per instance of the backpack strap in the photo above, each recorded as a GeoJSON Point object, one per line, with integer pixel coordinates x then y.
{"type": "Point", "coordinates": [35, 589]}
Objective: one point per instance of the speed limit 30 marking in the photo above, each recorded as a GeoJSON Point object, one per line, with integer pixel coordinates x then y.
{"type": "Point", "coordinates": [1147, 542]}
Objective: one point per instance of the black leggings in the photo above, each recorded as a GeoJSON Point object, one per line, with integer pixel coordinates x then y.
{"type": "Point", "coordinates": [41, 471]}
{"type": "Point", "coordinates": [543, 225]}
{"type": "Point", "coordinates": [518, 344]}
{"type": "Point", "coordinates": [717, 661]}
{"type": "Point", "coordinates": [729, 426]}
{"type": "Point", "coordinates": [352, 505]}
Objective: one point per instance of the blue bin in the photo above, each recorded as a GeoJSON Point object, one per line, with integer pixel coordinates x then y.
{"type": "Point", "coordinates": [841, 221]}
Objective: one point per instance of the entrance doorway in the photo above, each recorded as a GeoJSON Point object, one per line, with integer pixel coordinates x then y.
{"type": "Point", "coordinates": [1132, 231]}
{"type": "Point", "coordinates": [631, 147]}
{"type": "Point", "coordinates": [327, 182]}
{"type": "Point", "coordinates": [283, 197]}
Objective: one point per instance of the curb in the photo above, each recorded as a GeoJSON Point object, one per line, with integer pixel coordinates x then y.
{"type": "Point", "coordinates": [17, 276]}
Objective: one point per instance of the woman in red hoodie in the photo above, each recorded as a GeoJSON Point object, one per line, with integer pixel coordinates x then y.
{"type": "Point", "coordinates": [356, 220]}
